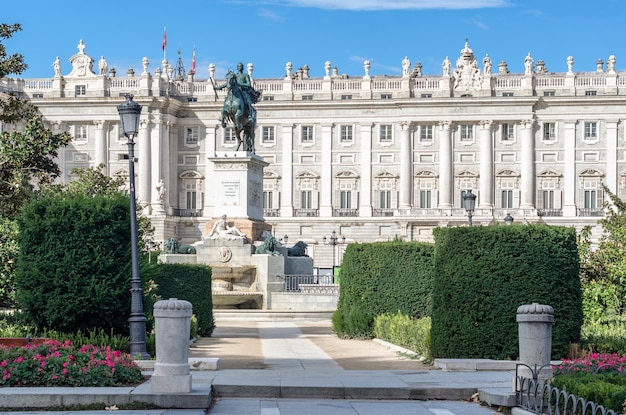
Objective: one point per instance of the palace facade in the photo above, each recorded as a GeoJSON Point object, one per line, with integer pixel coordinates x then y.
{"type": "Point", "coordinates": [370, 157]}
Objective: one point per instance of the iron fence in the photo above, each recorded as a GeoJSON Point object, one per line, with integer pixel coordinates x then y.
{"type": "Point", "coordinates": [292, 282]}
{"type": "Point", "coordinates": [544, 399]}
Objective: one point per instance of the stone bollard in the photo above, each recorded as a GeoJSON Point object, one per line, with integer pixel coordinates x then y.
{"type": "Point", "coordinates": [172, 319]}
{"type": "Point", "coordinates": [534, 323]}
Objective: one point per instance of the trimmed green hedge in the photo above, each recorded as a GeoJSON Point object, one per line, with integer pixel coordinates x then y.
{"type": "Point", "coordinates": [185, 282]}
{"type": "Point", "coordinates": [484, 273]}
{"type": "Point", "coordinates": [379, 278]}
{"type": "Point", "coordinates": [606, 389]}
{"type": "Point", "coordinates": [73, 268]}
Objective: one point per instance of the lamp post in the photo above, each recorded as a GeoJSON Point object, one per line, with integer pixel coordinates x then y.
{"type": "Point", "coordinates": [469, 202]}
{"type": "Point", "coordinates": [333, 241]}
{"type": "Point", "coordinates": [508, 219]}
{"type": "Point", "coordinates": [129, 112]}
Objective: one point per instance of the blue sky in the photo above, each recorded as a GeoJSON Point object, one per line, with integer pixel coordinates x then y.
{"type": "Point", "coordinates": [270, 33]}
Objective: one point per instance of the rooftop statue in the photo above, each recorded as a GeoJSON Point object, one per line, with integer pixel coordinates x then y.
{"type": "Point", "coordinates": [239, 106]}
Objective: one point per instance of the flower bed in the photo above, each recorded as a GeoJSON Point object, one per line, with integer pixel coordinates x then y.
{"type": "Point", "coordinates": [53, 363]}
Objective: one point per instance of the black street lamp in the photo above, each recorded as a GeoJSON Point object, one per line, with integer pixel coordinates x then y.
{"type": "Point", "coordinates": [469, 202]}
{"type": "Point", "coordinates": [333, 241]}
{"type": "Point", "coordinates": [130, 112]}
{"type": "Point", "coordinates": [508, 219]}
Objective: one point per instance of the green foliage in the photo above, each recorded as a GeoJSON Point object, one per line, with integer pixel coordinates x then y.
{"type": "Point", "coordinates": [603, 270]}
{"type": "Point", "coordinates": [8, 258]}
{"type": "Point", "coordinates": [484, 273]}
{"type": "Point", "coordinates": [353, 321]}
{"type": "Point", "coordinates": [412, 334]}
{"type": "Point", "coordinates": [73, 268]}
{"type": "Point", "coordinates": [606, 389]}
{"type": "Point", "coordinates": [382, 277]}
{"type": "Point", "coordinates": [605, 335]}
{"type": "Point", "coordinates": [185, 282]}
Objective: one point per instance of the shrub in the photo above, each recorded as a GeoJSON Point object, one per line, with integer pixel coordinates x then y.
{"type": "Point", "coordinates": [484, 273]}
{"type": "Point", "coordinates": [412, 334]}
{"type": "Point", "coordinates": [73, 270]}
{"type": "Point", "coordinates": [186, 282]}
{"type": "Point", "coordinates": [382, 277]}
{"type": "Point", "coordinates": [606, 335]}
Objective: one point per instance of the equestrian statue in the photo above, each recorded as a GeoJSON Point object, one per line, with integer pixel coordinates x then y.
{"type": "Point", "coordinates": [239, 106]}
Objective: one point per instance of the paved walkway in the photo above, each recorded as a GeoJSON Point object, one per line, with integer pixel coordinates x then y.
{"type": "Point", "coordinates": [279, 368]}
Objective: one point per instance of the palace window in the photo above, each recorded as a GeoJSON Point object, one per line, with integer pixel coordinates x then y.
{"type": "Point", "coordinates": [346, 134]}
{"type": "Point", "coordinates": [268, 135]}
{"type": "Point", "coordinates": [385, 199]}
{"type": "Point", "coordinates": [80, 132]}
{"type": "Point", "coordinates": [268, 199]}
{"type": "Point", "coordinates": [590, 93]}
{"type": "Point", "coordinates": [426, 95]}
{"type": "Point", "coordinates": [549, 93]}
{"type": "Point", "coordinates": [508, 132]}
{"type": "Point", "coordinates": [386, 133]}
{"type": "Point", "coordinates": [268, 98]}
{"type": "Point", "coordinates": [385, 96]}
{"type": "Point", "coordinates": [426, 133]}
{"type": "Point", "coordinates": [591, 130]}
{"type": "Point", "coordinates": [80, 90]}
{"type": "Point", "coordinates": [191, 195]}
{"type": "Point", "coordinates": [591, 201]}
{"type": "Point", "coordinates": [507, 199]}
{"type": "Point", "coordinates": [425, 199]}
{"type": "Point", "coordinates": [346, 97]}
{"type": "Point", "coordinates": [306, 199]}
{"type": "Point", "coordinates": [549, 131]}
{"type": "Point", "coordinates": [345, 199]}
{"type": "Point", "coordinates": [548, 199]}
{"type": "Point", "coordinates": [307, 97]}
{"type": "Point", "coordinates": [307, 134]}
{"type": "Point", "coordinates": [229, 136]}
{"type": "Point", "coordinates": [192, 136]}
{"type": "Point", "coordinates": [467, 132]}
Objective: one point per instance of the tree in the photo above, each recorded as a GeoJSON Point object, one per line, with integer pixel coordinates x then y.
{"type": "Point", "coordinates": [603, 270]}
{"type": "Point", "coordinates": [28, 149]}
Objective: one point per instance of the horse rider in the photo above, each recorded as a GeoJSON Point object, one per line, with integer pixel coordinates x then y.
{"type": "Point", "coordinates": [250, 95]}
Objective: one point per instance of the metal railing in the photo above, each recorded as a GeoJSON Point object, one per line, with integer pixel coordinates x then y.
{"type": "Point", "coordinates": [382, 212]}
{"type": "Point", "coordinates": [292, 282]}
{"type": "Point", "coordinates": [307, 213]}
{"type": "Point", "coordinates": [590, 212]}
{"type": "Point", "coordinates": [345, 212]}
{"type": "Point", "coordinates": [271, 213]}
{"type": "Point", "coordinates": [185, 213]}
{"type": "Point", "coordinates": [549, 212]}
{"type": "Point", "coordinates": [541, 398]}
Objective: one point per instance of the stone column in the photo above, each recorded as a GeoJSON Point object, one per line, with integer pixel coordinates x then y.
{"type": "Point", "coordinates": [527, 178]}
{"type": "Point", "coordinates": [159, 151]}
{"type": "Point", "coordinates": [365, 208]}
{"type": "Point", "coordinates": [101, 146]}
{"type": "Point", "coordinates": [446, 172]}
{"type": "Point", "coordinates": [485, 198]}
{"type": "Point", "coordinates": [286, 188]}
{"type": "Point", "coordinates": [143, 147]}
{"type": "Point", "coordinates": [406, 162]}
{"type": "Point", "coordinates": [569, 170]}
{"type": "Point", "coordinates": [611, 179]}
{"type": "Point", "coordinates": [208, 210]}
{"type": "Point", "coordinates": [326, 196]}
{"type": "Point", "coordinates": [172, 320]}
{"type": "Point", "coordinates": [534, 323]}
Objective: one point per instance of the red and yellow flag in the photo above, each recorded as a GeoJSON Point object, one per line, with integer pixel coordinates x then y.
{"type": "Point", "coordinates": [164, 44]}
{"type": "Point", "coordinates": [193, 61]}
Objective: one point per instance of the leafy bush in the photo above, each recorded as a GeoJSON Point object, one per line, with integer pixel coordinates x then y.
{"type": "Point", "coordinates": [484, 273]}
{"type": "Point", "coordinates": [382, 277]}
{"type": "Point", "coordinates": [353, 321]}
{"type": "Point", "coordinates": [61, 364]}
{"type": "Point", "coordinates": [186, 282]}
{"type": "Point", "coordinates": [412, 334]}
{"type": "Point", "coordinates": [73, 270]}
{"type": "Point", "coordinates": [605, 335]}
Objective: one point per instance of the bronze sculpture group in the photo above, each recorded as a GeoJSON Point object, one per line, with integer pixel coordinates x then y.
{"type": "Point", "coordinates": [239, 106]}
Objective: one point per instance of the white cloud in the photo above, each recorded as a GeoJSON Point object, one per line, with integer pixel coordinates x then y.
{"type": "Point", "coordinates": [393, 4]}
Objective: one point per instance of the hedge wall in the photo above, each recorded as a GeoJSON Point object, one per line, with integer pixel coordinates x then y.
{"type": "Point", "coordinates": [382, 277]}
{"type": "Point", "coordinates": [484, 273]}
{"type": "Point", "coordinates": [185, 282]}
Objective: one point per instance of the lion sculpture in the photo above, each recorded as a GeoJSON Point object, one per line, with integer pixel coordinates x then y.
{"type": "Point", "coordinates": [269, 245]}
{"type": "Point", "coordinates": [299, 249]}
{"type": "Point", "coordinates": [172, 246]}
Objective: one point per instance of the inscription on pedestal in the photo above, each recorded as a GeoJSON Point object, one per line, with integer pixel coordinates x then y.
{"type": "Point", "coordinates": [231, 193]}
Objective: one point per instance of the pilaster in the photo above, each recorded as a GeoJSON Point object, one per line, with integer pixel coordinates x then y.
{"type": "Point", "coordinates": [365, 208]}
{"type": "Point", "coordinates": [486, 197]}
{"type": "Point", "coordinates": [406, 162]}
{"type": "Point", "coordinates": [446, 173]}
{"type": "Point", "coordinates": [528, 177]}
{"type": "Point", "coordinates": [286, 207]}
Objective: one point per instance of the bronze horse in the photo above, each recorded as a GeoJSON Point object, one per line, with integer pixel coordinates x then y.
{"type": "Point", "coordinates": [235, 110]}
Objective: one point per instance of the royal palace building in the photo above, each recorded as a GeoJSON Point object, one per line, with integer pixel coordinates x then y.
{"type": "Point", "coordinates": [371, 157]}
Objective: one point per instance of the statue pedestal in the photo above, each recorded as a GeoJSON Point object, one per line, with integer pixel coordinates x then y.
{"type": "Point", "coordinates": [236, 185]}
